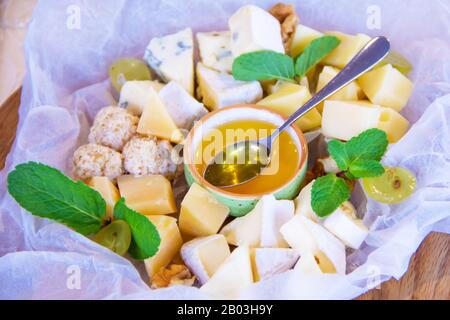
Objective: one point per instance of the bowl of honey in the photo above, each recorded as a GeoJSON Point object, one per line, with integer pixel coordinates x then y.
{"type": "Point", "coordinates": [226, 126]}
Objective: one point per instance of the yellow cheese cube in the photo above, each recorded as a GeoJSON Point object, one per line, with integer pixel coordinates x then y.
{"type": "Point", "coordinates": [148, 194]}
{"type": "Point", "coordinates": [393, 123]}
{"type": "Point", "coordinates": [170, 243]}
{"type": "Point", "coordinates": [156, 121]}
{"type": "Point", "coordinates": [288, 99]}
{"type": "Point", "coordinates": [201, 214]}
{"type": "Point", "coordinates": [387, 87]}
{"type": "Point", "coordinates": [352, 91]}
{"type": "Point", "coordinates": [346, 50]}
{"type": "Point", "coordinates": [108, 191]}
{"type": "Point", "coordinates": [302, 38]}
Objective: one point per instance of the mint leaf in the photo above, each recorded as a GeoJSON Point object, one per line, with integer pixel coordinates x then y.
{"type": "Point", "coordinates": [366, 168]}
{"type": "Point", "coordinates": [369, 145]}
{"type": "Point", "coordinates": [314, 53]}
{"type": "Point", "coordinates": [263, 65]}
{"type": "Point", "coordinates": [145, 239]}
{"type": "Point", "coordinates": [337, 151]}
{"type": "Point", "coordinates": [328, 193]}
{"type": "Point", "coordinates": [46, 192]}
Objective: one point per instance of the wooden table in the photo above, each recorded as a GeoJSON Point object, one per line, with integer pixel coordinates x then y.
{"type": "Point", "coordinates": [428, 276]}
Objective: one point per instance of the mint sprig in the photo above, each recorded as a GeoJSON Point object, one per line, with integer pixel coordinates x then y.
{"type": "Point", "coordinates": [47, 193]}
{"type": "Point", "coordinates": [357, 158]}
{"type": "Point", "coordinates": [145, 239]}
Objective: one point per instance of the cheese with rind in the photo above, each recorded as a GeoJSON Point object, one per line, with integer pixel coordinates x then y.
{"type": "Point", "coordinates": [267, 262]}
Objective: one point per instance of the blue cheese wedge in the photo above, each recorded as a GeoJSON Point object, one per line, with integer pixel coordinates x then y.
{"type": "Point", "coordinates": [219, 89]}
{"type": "Point", "coordinates": [253, 29]}
{"type": "Point", "coordinates": [172, 58]}
{"type": "Point", "coordinates": [215, 50]}
{"type": "Point", "coordinates": [182, 107]}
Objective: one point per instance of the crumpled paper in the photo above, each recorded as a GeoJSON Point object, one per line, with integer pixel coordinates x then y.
{"type": "Point", "coordinates": [69, 47]}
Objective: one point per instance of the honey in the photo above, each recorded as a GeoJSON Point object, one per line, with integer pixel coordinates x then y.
{"type": "Point", "coordinates": [284, 162]}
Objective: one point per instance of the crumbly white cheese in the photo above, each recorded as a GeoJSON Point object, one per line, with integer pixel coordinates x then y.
{"type": "Point", "coordinates": [215, 50]}
{"type": "Point", "coordinates": [113, 127]}
{"type": "Point", "coordinates": [93, 160]}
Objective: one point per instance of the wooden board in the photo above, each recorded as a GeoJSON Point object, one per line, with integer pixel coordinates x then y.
{"type": "Point", "coordinates": [428, 276]}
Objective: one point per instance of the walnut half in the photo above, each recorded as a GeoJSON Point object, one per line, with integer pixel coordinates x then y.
{"type": "Point", "coordinates": [174, 274]}
{"type": "Point", "coordinates": [285, 13]}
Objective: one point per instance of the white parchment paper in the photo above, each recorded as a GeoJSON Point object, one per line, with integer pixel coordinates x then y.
{"type": "Point", "coordinates": [69, 47]}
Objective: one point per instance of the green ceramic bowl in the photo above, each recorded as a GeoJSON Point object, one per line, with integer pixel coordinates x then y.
{"type": "Point", "coordinates": [241, 204]}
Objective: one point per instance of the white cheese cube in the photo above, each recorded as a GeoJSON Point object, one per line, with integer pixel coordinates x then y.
{"type": "Point", "coordinates": [303, 203]}
{"type": "Point", "coordinates": [135, 94]}
{"type": "Point", "coordinates": [267, 262]}
{"type": "Point", "coordinates": [172, 58]}
{"type": "Point", "coordinates": [215, 50]}
{"type": "Point", "coordinates": [182, 107]}
{"type": "Point", "coordinates": [345, 225]}
{"type": "Point", "coordinates": [346, 119]}
{"type": "Point", "coordinates": [253, 29]}
{"type": "Point", "coordinates": [221, 89]}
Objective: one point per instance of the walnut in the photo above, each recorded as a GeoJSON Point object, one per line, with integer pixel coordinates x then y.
{"type": "Point", "coordinates": [285, 13]}
{"type": "Point", "coordinates": [174, 274]}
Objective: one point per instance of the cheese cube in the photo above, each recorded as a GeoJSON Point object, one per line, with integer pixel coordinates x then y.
{"type": "Point", "coordinates": [215, 50]}
{"type": "Point", "coordinates": [220, 89]}
{"type": "Point", "coordinates": [108, 191]}
{"type": "Point", "coordinates": [288, 99]}
{"type": "Point", "coordinates": [156, 120]}
{"type": "Point", "coordinates": [346, 119]}
{"type": "Point", "coordinates": [346, 226]}
{"type": "Point", "coordinates": [308, 237]}
{"type": "Point", "coordinates": [350, 92]}
{"type": "Point", "coordinates": [232, 277]}
{"type": "Point", "coordinates": [346, 50]}
{"type": "Point", "coordinates": [267, 262]}
{"type": "Point", "coordinates": [134, 95]}
{"type": "Point", "coordinates": [302, 38]}
{"type": "Point", "coordinates": [393, 123]}
{"type": "Point", "coordinates": [148, 194]}
{"type": "Point", "coordinates": [170, 244]}
{"type": "Point", "coordinates": [204, 256]}
{"type": "Point", "coordinates": [201, 214]}
{"type": "Point", "coordinates": [387, 87]}
{"type": "Point", "coordinates": [172, 58]}
{"type": "Point", "coordinates": [303, 203]}
{"type": "Point", "coordinates": [181, 106]}
{"type": "Point", "coordinates": [253, 29]}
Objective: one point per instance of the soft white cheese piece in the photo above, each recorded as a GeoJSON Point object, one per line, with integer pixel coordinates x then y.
{"type": "Point", "coordinates": [172, 58]}
{"type": "Point", "coordinates": [303, 203]}
{"type": "Point", "coordinates": [215, 50]}
{"type": "Point", "coordinates": [268, 262]}
{"type": "Point", "coordinates": [275, 213]}
{"type": "Point", "coordinates": [307, 264]}
{"type": "Point", "coordinates": [182, 107]}
{"type": "Point", "coordinates": [329, 165]}
{"type": "Point", "coordinates": [203, 256]}
{"type": "Point", "coordinates": [252, 29]}
{"type": "Point", "coordinates": [221, 89]}
{"type": "Point", "coordinates": [345, 225]}
{"type": "Point", "coordinates": [232, 277]}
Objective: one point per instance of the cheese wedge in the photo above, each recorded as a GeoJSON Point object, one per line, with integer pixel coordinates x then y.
{"type": "Point", "coordinates": [350, 45]}
{"type": "Point", "coordinates": [215, 50]}
{"type": "Point", "coordinates": [287, 99]}
{"type": "Point", "coordinates": [346, 119]}
{"type": "Point", "coordinates": [387, 87]}
{"type": "Point", "coordinates": [232, 277]}
{"type": "Point", "coordinates": [346, 226]}
{"type": "Point", "coordinates": [108, 191]}
{"type": "Point", "coordinates": [170, 243]}
{"type": "Point", "coordinates": [134, 95]}
{"type": "Point", "coordinates": [156, 120]}
{"type": "Point", "coordinates": [203, 256]}
{"type": "Point", "coordinates": [302, 38]}
{"type": "Point", "coordinates": [201, 214]}
{"type": "Point", "coordinates": [308, 265]}
{"type": "Point", "coordinates": [303, 203]}
{"type": "Point", "coordinates": [172, 58]}
{"type": "Point", "coordinates": [147, 194]}
{"type": "Point", "coordinates": [267, 262]}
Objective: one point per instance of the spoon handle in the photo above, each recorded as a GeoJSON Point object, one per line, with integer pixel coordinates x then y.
{"type": "Point", "coordinates": [369, 56]}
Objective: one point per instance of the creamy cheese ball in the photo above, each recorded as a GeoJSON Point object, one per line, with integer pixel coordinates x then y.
{"type": "Point", "coordinates": [93, 160]}
{"type": "Point", "coordinates": [113, 127]}
{"type": "Point", "coordinates": [148, 155]}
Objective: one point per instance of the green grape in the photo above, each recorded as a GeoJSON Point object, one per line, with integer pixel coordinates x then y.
{"type": "Point", "coordinates": [398, 61]}
{"type": "Point", "coordinates": [116, 236]}
{"type": "Point", "coordinates": [128, 69]}
{"type": "Point", "coordinates": [393, 186]}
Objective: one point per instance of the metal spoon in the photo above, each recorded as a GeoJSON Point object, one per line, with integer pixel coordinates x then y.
{"type": "Point", "coordinates": [244, 160]}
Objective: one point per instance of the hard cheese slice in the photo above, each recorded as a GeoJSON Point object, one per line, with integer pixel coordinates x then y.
{"type": "Point", "coordinates": [170, 243]}
{"type": "Point", "coordinates": [148, 194]}
{"type": "Point", "coordinates": [172, 58]}
{"type": "Point", "coordinates": [267, 262]}
{"type": "Point", "coordinates": [205, 255]}
{"type": "Point", "coordinates": [134, 95]}
{"type": "Point", "coordinates": [108, 191]}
